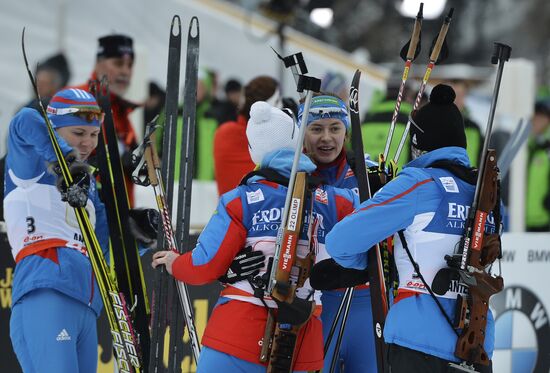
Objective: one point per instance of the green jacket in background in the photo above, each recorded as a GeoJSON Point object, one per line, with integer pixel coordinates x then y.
{"type": "Point", "coordinates": [374, 130]}
{"type": "Point", "coordinates": [204, 143]}
{"type": "Point", "coordinates": [474, 140]}
{"type": "Point", "coordinates": [537, 204]}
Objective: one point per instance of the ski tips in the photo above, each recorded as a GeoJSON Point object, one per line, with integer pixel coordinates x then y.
{"type": "Point", "coordinates": [31, 76]}
{"type": "Point", "coordinates": [175, 28]}
{"type": "Point", "coordinates": [353, 99]}
{"type": "Point", "coordinates": [194, 21]}
{"type": "Point", "coordinates": [420, 14]}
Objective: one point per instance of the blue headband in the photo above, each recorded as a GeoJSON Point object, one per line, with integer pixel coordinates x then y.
{"type": "Point", "coordinates": [326, 107]}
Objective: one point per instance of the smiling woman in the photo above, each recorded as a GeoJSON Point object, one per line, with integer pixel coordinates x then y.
{"type": "Point", "coordinates": [324, 140]}
{"type": "Point", "coordinates": [328, 125]}
{"type": "Point", "coordinates": [327, 128]}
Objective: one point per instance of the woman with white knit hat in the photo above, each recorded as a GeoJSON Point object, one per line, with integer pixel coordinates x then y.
{"type": "Point", "coordinates": [250, 216]}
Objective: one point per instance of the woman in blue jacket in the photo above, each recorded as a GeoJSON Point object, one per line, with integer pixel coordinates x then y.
{"type": "Point", "coordinates": [55, 297]}
{"type": "Point", "coordinates": [326, 134]}
{"type": "Point", "coordinates": [428, 203]}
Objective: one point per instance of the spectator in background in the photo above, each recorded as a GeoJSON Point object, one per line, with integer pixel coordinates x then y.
{"type": "Point", "coordinates": [537, 204]}
{"type": "Point", "coordinates": [231, 156]}
{"type": "Point", "coordinates": [51, 75]}
{"type": "Point", "coordinates": [474, 137]}
{"type": "Point", "coordinates": [233, 92]}
{"type": "Point", "coordinates": [336, 83]}
{"type": "Point", "coordinates": [206, 126]}
{"type": "Point", "coordinates": [227, 109]}
{"type": "Point", "coordinates": [115, 61]}
{"type": "Point", "coordinates": [154, 103]}
{"type": "Point", "coordinates": [375, 127]}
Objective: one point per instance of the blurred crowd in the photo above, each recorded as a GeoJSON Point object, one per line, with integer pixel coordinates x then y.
{"type": "Point", "coordinates": [221, 149]}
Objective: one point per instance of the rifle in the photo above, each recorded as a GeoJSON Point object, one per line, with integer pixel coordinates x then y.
{"type": "Point", "coordinates": [477, 250]}
{"type": "Point", "coordinates": [280, 337]}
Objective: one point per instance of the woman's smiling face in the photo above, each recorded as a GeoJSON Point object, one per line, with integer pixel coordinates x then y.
{"type": "Point", "coordinates": [324, 140]}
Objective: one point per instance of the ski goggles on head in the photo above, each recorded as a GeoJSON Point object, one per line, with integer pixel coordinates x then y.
{"type": "Point", "coordinates": [76, 116]}
{"type": "Point", "coordinates": [323, 107]}
{"type": "Point", "coordinates": [89, 116]}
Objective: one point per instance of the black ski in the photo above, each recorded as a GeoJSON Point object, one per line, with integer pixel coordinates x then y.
{"type": "Point", "coordinates": [376, 276]}
{"type": "Point", "coordinates": [127, 262]}
{"type": "Point", "coordinates": [162, 278]}
{"type": "Point", "coordinates": [187, 156]}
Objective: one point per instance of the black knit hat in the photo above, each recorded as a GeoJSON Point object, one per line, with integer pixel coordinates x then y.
{"type": "Point", "coordinates": [115, 46]}
{"type": "Point", "coordinates": [59, 64]}
{"type": "Point", "coordinates": [438, 123]}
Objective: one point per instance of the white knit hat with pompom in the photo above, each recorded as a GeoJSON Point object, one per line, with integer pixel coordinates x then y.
{"type": "Point", "coordinates": [269, 129]}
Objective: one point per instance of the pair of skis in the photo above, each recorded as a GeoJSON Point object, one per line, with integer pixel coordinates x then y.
{"type": "Point", "coordinates": [162, 179]}
{"type": "Point", "coordinates": [376, 256]}
{"type": "Point", "coordinates": [125, 338]}
{"type": "Point", "coordinates": [126, 258]}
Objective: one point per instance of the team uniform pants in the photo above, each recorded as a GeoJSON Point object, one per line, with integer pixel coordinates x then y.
{"type": "Point", "coordinates": [212, 361]}
{"type": "Point", "coordinates": [405, 360]}
{"type": "Point", "coordinates": [357, 352]}
{"type": "Point", "coordinates": [52, 332]}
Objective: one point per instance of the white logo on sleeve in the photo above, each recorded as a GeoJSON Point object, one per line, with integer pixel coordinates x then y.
{"type": "Point", "coordinates": [256, 196]}
{"type": "Point", "coordinates": [449, 184]}
{"type": "Point", "coordinates": [63, 336]}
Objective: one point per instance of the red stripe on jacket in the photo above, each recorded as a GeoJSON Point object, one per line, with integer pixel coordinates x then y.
{"type": "Point", "coordinates": [400, 195]}
{"type": "Point", "coordinates": [344, 207]}
{"type": "Point", "coordinates": [183, 268]}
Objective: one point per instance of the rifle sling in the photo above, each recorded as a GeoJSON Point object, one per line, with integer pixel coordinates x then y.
{"type": "Point", "coordinates": [468, 174]}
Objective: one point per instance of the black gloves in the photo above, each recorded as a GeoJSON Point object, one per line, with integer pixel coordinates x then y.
{"type": "Point", "coordinates": [329, 275]}
{"type": "Point", "coordinates": [143, 225]}
{"type": "Point", "coordinates": [375, 178]}
{"type": "Point", "coordinates": [75, 194]}
{"type": "Point", "coordinates": [247, 263]}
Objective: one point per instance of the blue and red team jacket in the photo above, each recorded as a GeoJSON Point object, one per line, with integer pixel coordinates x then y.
{"type": "Point", "coordinates": [43, 232]}
{"type": "Point", "coordinates": [431, 206]}
{"type": "Point", "coordinates": [250, 215]}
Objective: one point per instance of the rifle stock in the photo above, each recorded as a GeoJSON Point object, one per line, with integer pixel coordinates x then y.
{"type": "Point", "coordinates": [281, 331]}
{"type": "Point", "coordinates": [480, 253]}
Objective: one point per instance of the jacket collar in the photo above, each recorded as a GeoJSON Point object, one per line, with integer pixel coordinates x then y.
{"type": "Point", "coordinates": [453, 154]}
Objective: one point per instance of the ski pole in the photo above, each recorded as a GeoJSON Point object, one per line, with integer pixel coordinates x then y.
{"type": "Point", "coordinates": [346, 306]}
{"type": "Point", "coordinates": [336, 318]}
{"type": "Point", "coordinates": [438, 48]}
{"type": "Point", "coordinates": [155, 180]}
{"type": "Point", "coordinates": [412, 52]}
{"type": "Point", "coordinates": [309, 84]}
